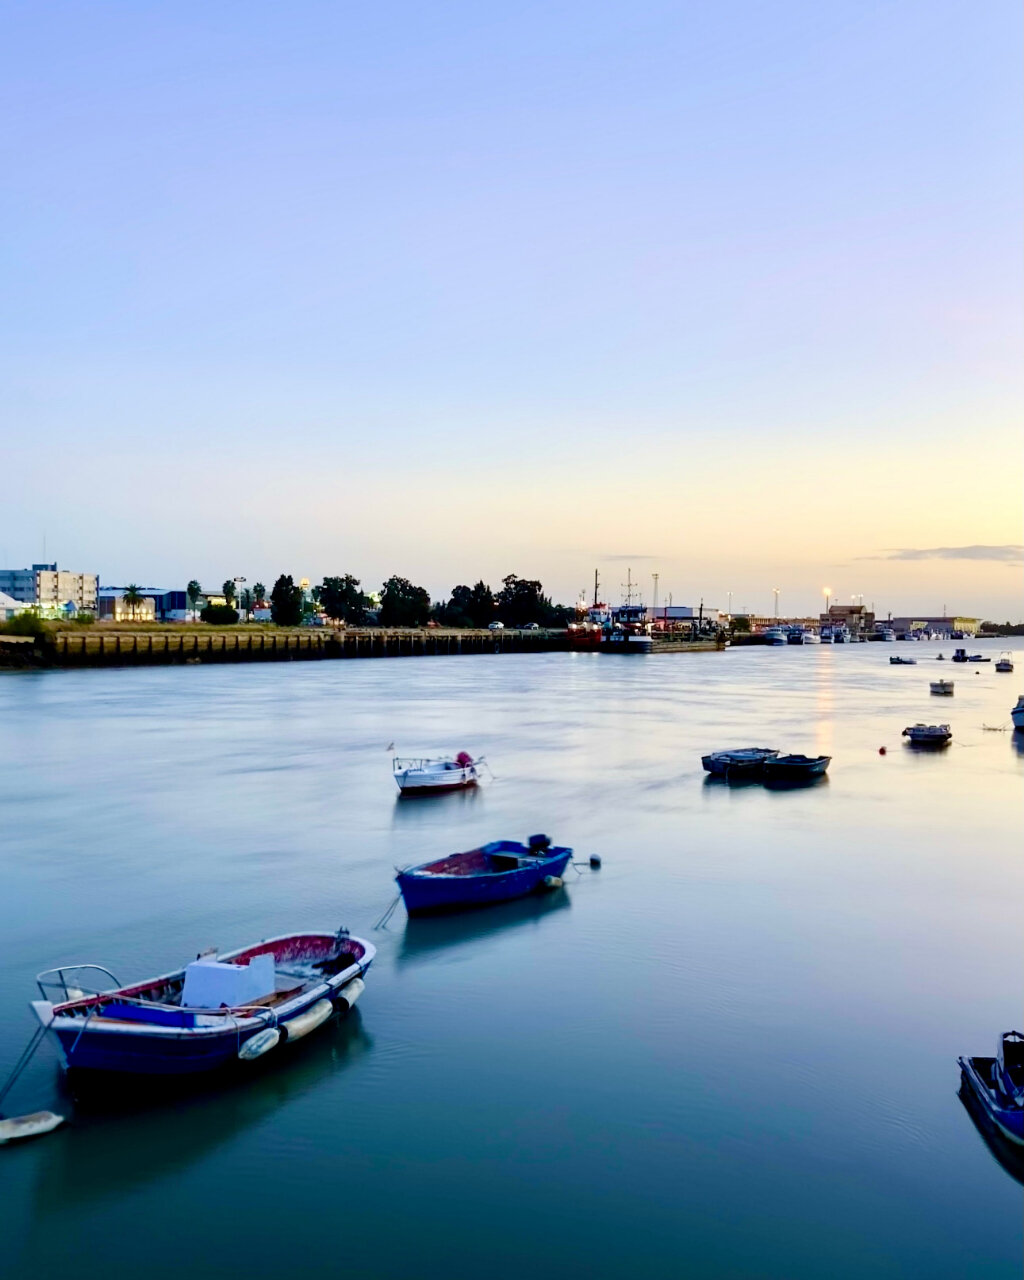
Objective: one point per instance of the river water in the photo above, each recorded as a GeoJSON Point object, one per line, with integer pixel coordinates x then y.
{"type": "Point", "coordinates": [730, 1052]}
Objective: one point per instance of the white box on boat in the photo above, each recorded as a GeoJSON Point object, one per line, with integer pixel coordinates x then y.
{"type": "Point", "coordinates": [211, 983]}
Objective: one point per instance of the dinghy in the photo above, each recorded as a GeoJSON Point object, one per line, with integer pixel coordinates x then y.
{"type": "Point", "coordinates": [944, 688]}
{"type": "Point", "coordinates": [1005, 663]}
{"type": "Point", "coordinates": [896, 661]}
{"type": "Point", "coordinates": [998, 1085]}
{"type": "Point", "coordinates": [213, 1012]}
{"type": "Point", "coordinates": [747, 762]}
{"type": "Point", "coordinates": [795, 768]}
{"type": "Point", "coordinates": [928, 735]}
{"type": "Point", "coordinates": [495, 872]}
{"type": "Point", "coordinates": [1017, 713]}
{"type": "Point", "coordinates": [435, 775]}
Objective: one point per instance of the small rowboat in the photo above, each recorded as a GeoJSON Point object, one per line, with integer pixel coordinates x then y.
{"type": "Point", "coordinates": [942, 687]}
{"type": "Point", "coordinates": [1005, 663]}
{"type": "Point", "coordinates": [747, 762]}
{"type": "Point", "coordinates": [795, 768]}
{"type": "Point", "coordinates": [495, 872]}
{"type": "Point", "coordinates": [211, 1013]}
{"type": "Point", "coordinates": [435, 775]}
{"type": "Point", "coordinates": [902, 662]}
{"type": "Point", "coordinates": [1017, 713]}
{"type": "Point", "coordinates": [998, 1085]}
{"type": "Point", "coordinates": [928, 735]}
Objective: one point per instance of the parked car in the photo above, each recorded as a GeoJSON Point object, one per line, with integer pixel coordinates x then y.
{"type": "Point", "coordinates": [496, 626]}
{"type": "Point", "coordinates": [532, 626]}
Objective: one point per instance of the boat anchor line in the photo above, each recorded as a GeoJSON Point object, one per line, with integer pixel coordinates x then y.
{"type": "Point", "coordinates": [35, 1123]}
{"type": "Point", "coordinates": [382, 923]}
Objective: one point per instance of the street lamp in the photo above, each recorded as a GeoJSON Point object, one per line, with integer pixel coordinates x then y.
{"type": "Point", "coordinates": [827, 593]}
{"type": "Point", "coordinates": [775, 593]}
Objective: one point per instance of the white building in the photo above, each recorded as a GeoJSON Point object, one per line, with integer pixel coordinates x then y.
{"type": "Point", "coordinates": [51, 588]}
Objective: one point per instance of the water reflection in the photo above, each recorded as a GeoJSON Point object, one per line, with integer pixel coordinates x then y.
{"type": "Point", "coordinates": [425, 936]}
{"type": "Point", "coordinates": [410, 810]}
{"type": "Point", "coordinates": [1017, 738]}
{"type": "Point", "coordinates": [124, 1131]}
{"type": "Point", "coordinates": [1010, 1156]}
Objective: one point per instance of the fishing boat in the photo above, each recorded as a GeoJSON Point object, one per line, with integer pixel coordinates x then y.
{"type": "Point", "coordinates": [1005, 663]}
{"type": "Point", "coordinates": [887, 634]}
{"type": "Point", "coordinates": [896, 661]}
{"type": "Point", "coordinates": [774, 636]}
{"type": "Point", "coordinates": [1017, 714]}
{"type": "Point", "coordinates": [809, 637]}
{"type": "Point", "coordinates": [436, 774]}
{"type": "Point", "coordinates": [944, 688]}
{"type": "Point", "coordinates": [825, 635]}
{"type": "Point", "coordinates": [795, 768]}
{"type": "Point", "coordinates": [215, 1011]}
{"type": "Point", "coordinates": [960, 655]}
{"type": "Point", "coordinates": [998, 1085]}
{"type": "Point", "coordinates": [740, 762]}
{"type": "Point", "coordinates": [495, 872]}
{"type": "Point", "coordinates": [928, 735]}
{"type": "Point", "coordinates": [841, 635]}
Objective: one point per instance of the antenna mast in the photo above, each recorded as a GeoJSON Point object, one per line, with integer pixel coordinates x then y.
{"type": "Point", "coordinates": [597, 584]}
{"type": "Point", "coordinates": [654, 603]}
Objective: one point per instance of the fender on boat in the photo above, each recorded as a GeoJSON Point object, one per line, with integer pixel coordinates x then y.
{"type": "Point", "coordinates": [315, 1016]}
{"type": "Point", "coordinates": [349, 994]}
{"type": "Point", "coordinates": [553, 882]}
{"type": "Point", "coordinates": [29, 1126]}
{"type": "Point", "coordinates": [259, 1044]}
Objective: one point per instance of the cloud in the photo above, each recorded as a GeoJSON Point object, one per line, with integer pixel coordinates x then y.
{"type": "Point", "coordinates": [1008, 553]}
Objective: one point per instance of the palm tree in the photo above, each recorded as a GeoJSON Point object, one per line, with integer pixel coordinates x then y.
{"type": "Point", "coordinates": [132, 598]}
{"type": "Point", "coordinates": [193, 591]}
{"type": "Point", "coordinates": [259, 594]}
{"type": "Point", "coordinates": [246, 601]}
{"type": "Point", "coordinates": [228, 591]}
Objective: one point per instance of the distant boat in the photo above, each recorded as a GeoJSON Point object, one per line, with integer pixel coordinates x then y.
{"type": "Point", "coordinates": [942, 687]}
{"type": "Point", "coordinates": [495, 872]}
{"type": "Point", "coordinates": [826, 635]}
{"type": "Point", "coordinates": [896, 661]}
{"type": "Point", "coordinates": [998, 1085]}
{"type": "Point", "coordinates": [928, 735]}
{"type": "Point", "coordinates": [795, 768]}
{"type": "Point", "coordinates": [1005, 662]}
{"type": "Point", "coordinates": [775, 635]}
{"type": "Point", "coordinates": [810, 637]}
{"type": "Point", "coordinates": [208, 1015]}
{"type": "Point", "coordinates": [887, 634]}
{"type": "Point", "coordinates": [1017, 714]}
{"type": "Point", "coordinates": [740, 762]}
{"type": "Point", "coordinates": [433, 775]}
{"type": "Point", "coordinates": [840, 635]}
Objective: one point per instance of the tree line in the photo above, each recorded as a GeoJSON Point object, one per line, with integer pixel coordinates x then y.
{"type": "Point", "coordinates": [518, 602]}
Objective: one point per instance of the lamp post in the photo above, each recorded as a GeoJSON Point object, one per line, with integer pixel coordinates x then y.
{"type": "Point", "coordinates": [827, 593]}
{"type": "Point", "coordinates": [775, 593]}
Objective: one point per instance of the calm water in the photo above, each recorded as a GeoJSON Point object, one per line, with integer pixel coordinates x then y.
{"type": "Point", "coordinates": [729, 1053]}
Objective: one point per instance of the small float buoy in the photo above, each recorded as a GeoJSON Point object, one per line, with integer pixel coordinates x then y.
{"type": "Point", "coordinates": [316, 1015]}
{"type": "Point", "coordinates": [881, 751]}
{"type": "Point", "coordinates": [349, 994]}
{"type": "Point", "coordinates": [259, 1044]}
{"type": "Point", "coordinates": [595, 862]}
{"type": "Point", "coordinates": [553, 882]}
{"type": "Point", "coordinates": [30, 1126]}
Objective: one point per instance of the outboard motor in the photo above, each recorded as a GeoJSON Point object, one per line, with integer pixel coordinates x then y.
{"type": "Point", "coordinates": [1010, 1064]}
{"type": "Point", "coordinates": [539, 843]}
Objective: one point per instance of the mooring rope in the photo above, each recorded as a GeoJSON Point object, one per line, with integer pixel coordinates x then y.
{"type": "Point", "coordinates": [26, 1056]}
{"type": "Point", "coordinates": [382, 923]}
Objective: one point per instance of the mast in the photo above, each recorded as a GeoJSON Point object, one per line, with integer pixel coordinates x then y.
{"type": "Point", "coordinates": [597, 584]}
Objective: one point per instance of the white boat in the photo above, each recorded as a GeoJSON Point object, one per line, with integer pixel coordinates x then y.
{"type": "Point", "coordinates": [825, 635]}
{"type": "Point", "coordinates": [887, 634]}
{"type": "Point", "coordinates": [1005, 662]}
{"type": "Point", "coordinates": [435, 774]}
{"type": "Point", "coordinates": [775, 635]}
{"type": "Point", "coordinates": [840, 635]}
{"type": "Point", "coordinates": [1017, 714]}
{"type": "Point", "coordinates": [810, 637]}
{"type": "Point", "coordinates": [928, 735]}
{"type": "Point", "coordinates": [942, 687]}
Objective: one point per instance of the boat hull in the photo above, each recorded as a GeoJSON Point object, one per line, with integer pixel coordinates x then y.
{"type": "Point", "coordinates": [742, 762]}
{"type": "Point", "coordinates": [785, 771]}
{"type": "Point", "coordinates": [424, 894]}
{"type": "Point", "coordinates": [1007, 1118]}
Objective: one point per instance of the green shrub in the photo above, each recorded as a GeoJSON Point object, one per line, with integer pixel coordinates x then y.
{"type": "Point", "coordinates": [24, 624]}
{"type": "Point", "coordinates": [218, 615]}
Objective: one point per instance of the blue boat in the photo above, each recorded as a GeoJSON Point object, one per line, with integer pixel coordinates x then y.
{"type": "Point", "coordinates": [998, 1085]}
{"type": "Point", "coordinates": [495, 872]}
{"type": "Point", "coordinates": [217, 1010]}
{"type": "Point", "coordinates": [744, 762]}
{"type": "Point", "coordinates": [792, 769]}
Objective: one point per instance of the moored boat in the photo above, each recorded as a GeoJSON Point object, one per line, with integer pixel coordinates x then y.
{"type": "Point", "coordinates": [740, 762]}
{"type": "Point", "coordinates": [774, 636]}
{"type": "Point", "coordinates": [1017, 713]}
{"type": "Point", "coordinates": [496, 872]}
{"type": "Point", "coordinates": [944, 688]}
{"type": "Point", "coordinates": [896, 661]}
{"type": "Point", "coordinates": [213, 1012]}
{"type": "Point", "coordinates": [431, 775]}
{"type": "Point", "coordinates": [960, 655]}
{"type": "Point", "coordinates": [998, 1085]}
{"type": "Point", "coordinates": [1005, 663]}
{"type": "Point", "coordinates": [928, 735]}
{"type": "Point", "coordinates": [795, 768]}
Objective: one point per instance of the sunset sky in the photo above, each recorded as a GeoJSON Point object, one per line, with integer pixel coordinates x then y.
{"type": "Point", "coordinates": [730, 292]}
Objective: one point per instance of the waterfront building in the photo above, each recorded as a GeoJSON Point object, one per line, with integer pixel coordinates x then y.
{"type": "Point", "coordinates": [50, 588]}
{"type": "Point", "coordinates": [157, 605]}
{"type": "Point", "coordinates": [941, 626]}
{"type": "Point", "coordinates": [9, 606]}
{"type": "Point", "coordinates": [857, 620]}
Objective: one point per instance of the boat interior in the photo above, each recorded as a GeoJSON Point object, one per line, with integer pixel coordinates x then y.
{"type": "Point", "coordinates": [257, 977]}
{"type": "Point", "coordinates": [500, 855]}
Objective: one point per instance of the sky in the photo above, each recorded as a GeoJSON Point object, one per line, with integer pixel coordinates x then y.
{"type": "Point", "coordinates": [728, 292]}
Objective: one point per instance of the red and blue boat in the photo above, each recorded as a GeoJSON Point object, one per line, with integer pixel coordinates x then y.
{"type": "Point", "coordinates": [216, 1011]}
{"type": "Point", "coordinates": [496, 872]}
